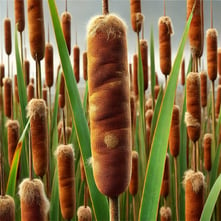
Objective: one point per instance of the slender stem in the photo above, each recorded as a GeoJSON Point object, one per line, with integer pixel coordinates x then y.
{"type": "Point", "coordinates": [39, 79]}
{"type": "Point", "coordinates": [194, 158]}
{"type": "Point", "coordinates": [197, 155]}
{"type": "Point", "coordinates": [164, 8]}
{"type": "Point", "coordinates": [85, 194]}
{"type": "Point", "coordinates": [8, 65]}
{"type": "Point", "coordinates": [66, 5]}
{"type": "Point", "coordinates": [213, 114]}
{"type": "Point", "coordinates": [176, 188]}
{"type": "Point", "coordinates": [127, 205]}
{"type": "Point", "coordinates": [36, 76]}
{"type": "Point", "coordinates": [21, 45]}
{"type": "Point", "coordinates": [105, 8]}
{"type": "Point", "coordinates": [114, 209]}
{"type": "Point", "coordinates": [64, 128]}
{"type": "Point", "coordinates": [165, 81]}
{"type": "Point", "coordinates": [134, 209]}
{"type": "Point", "coordinates": [30, 158]}
{"type": "Point", "coordinates": [211, 13]}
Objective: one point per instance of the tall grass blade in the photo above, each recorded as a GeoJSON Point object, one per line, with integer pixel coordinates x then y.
{"type": "Point", "coordinates": [211, 200]}
{"type": "Point", "coordinates": [98, 200]}
{"type": "Point", "coordinates": [154, 172]}
{"type": "Point", "coordinates": [11, 185]}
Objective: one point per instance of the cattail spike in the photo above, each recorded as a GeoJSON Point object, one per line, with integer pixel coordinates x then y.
{"type": "Point", "coordinates": [7, 208]}
{"type": "Point", "coordinates": [165, 187]}
{"type": "Point", "coordinates": [133, 186]}
{"type": "Point", "coordinates": [84, 213]}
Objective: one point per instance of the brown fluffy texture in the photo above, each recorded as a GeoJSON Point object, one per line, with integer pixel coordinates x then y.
{"type": "Point", "coordinates": [39, 134]}
{"type": "Point", "coordinates": [84, 213]}
{"type": "Point", "coordinates": [211, 41]}
{"type": "Point", "coordinates": [49, 65]}
{"type": "Point", "coordinates": [66, 28]}
{"type": "Point", "coordinates": [19, 14]}
{"type": "Point", "coordinates": [193, 115]}
{"type": "Point", "coordinates": [7, 208]}
{"type": "Point", "coordinates": [134, 182]}
{"type": "Point", "coordinates": [76, 56]}
{"type": "Point", "coordinates": [36, 29]}
{"type": "Point", "coordinates": [144, 56]}
{"type": "Point", "coordinates": [165, 213]}
{"type": "Point", "coordinates": [66, 180]}
{"type": "Point", "coordinates": [135, 15]}
{"type": "Point", "coordinates": [8, 36]}
{"type": "Point", "coordinates": [165, 31]}
{"type": "Point", "coordinates": [13, 137]}
{"type": "Point", "coordinates": [203, 88]}
{"type": "Point", "coordinates": [27, 71]}
{"type": "Point", "coordinates": [207, 143]}
{"type": "Point", "coordinates": [196, 28]}
{"type": "Point", "coordinates": [109, 104]}
{"type": "Point", "coordinates": [165, 187]}
{"type": "Point", "coordinates": [34, 203]}
{"type": "Point", "coordinates": [194, 189]}
{"type": "Point", "coordinates": [7, 96]}
{"type": "Point", "coordinates": [85, 65]}
{"type": "Point", "coordinates": [174, 136]}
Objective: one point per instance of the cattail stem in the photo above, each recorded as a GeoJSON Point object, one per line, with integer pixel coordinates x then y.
{"type": "Point", "coordinates": [194, 158]}
{"type": "Point", "coordinates": [105, 9]}
{"type": "Point", "coordinates": [176, 188]}
{"type": "Point", "coordinates": [2, 172]}
{"type": "Point", "coordinates": [165, 81]}
{"type": "Point", "coordinates": [134, 209]}
{"type": "Point", "coordinates": [30, 158]}
{"type": "Point", "coordinates": [64, 127]}
{"type": "Point", "coordinates": [114, 209]}
{"type": "Point", "coordinates": [21, 45]}
{"type": "Point", "coordinates": [85, 194]}
{"type": "Point", "coordinates": [164, 8]}
{"type": "Point", "coordinates": [127, 205]}
{"type": "Point", "coordinates": [39, 78]}
{"type": "Point", "coordinates": [213, 116]}
{"type": "Point", "coordinates": [211, 13]}
{"type": "Point", "coordinates": [8, 65]}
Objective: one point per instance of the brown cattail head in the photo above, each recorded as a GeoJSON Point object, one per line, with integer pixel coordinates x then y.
{"type": "Point", "coordinates": [144, 56]}
{"type": "Point", "coordinates": [61, 97]}
{"type": "Point", "coordinates": [194, 188]}
{"type": "Point", "coordinates": [211, 38]}
{"type": "Point", "coordinates": [2, 74]}
{"type": "Point", "coordinates": [133, 187]}
{"type": "Point", "coordinates": [7, 208]}
{"type": "Point", "coordinates": [7, 96]}
{"type": "Point", "coordinates": [36, 29]}
{"type": "Point", "coordinates": [218, 101]}
{"type": "Point", "coordinates": [165, 214]}
{"type": "Point", "coordinates": [203, 88]}
{"type": "Point", "coordinates": [13, 137]}
{"type": "Point", "coordinates": [30, 91]}
{"type": "Point", "coordinates": [76, 53]}
{"type": "Point", "coordinates": [133, 108]}
{"type": "Point", "coordinates": [19, 14]}
{"type": "Point", "coordinates": [135, 73]}
{"type": "Point", "coordinates": [66, 28]}
{"type": "Point", "coordinates": [39, 136]}
{"type": "Point", "coordinates": [135, 15]}
{"type": "Point", "coordinates": [8, 36]}
{"type": "Point", "coordinates": [16, 88]}
{"type": "Point", "coordinates": [109, 99]}
{"type": "Point", "coordinates": [148, 117]}
{"type": "Point", "coordinates": [45, 95]}
{"type": "Point", "coordinates": [34, 203]}
{"type": "Point", "coordinates": [49, 65]}
{"type": "Point", "coordinates": [156, 91]}
{"type": "Point", "coordinates": [183, 73]}
{"type": "Point", "coordinates": [174, 137]}
{"type": "Point", "coordinates": [165, 187]}
{"type": "Point", "coordinates": [193, 114]}
{"type": "Point", "coordinates": [219, 61]}
{"type": "Point", "coordinates": [149, 104]}
{"type": "Point", "coordinates": [85, 65]}
{"type": "Point", "coordinates": [165, 31]}
{"type": "Point", "coordinates": [27, 71]}
{"type": "Point", "coordinates": [207, 142]}
{"type": "Point", "coordinates": [66, 180]}
{"type": "Point", "coordinates": [84, 213]}
{"type": "Point", "coordinates": [195, 31]}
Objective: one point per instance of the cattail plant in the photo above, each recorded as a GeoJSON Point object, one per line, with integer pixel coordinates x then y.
{"type": "Point", "coordinates": [16, 89]}
{"type": "Point", "coordinates": [136, 15]}
{"type": "Point", "coordinates": [135, 73]}
{"type": "Point", "coordinates": [174, 145]}
{"type": "Point", "coordinates": [13, 137]}
{"type": "Point", "coordinates": [165, 214]}
{"type": "Point", "coordinates": [194, 189]}
{"type": "Point", "coordinates": [110, 138]}
{"type": "Point", "coordinates": [76, 55]}
{"type": "Point", "coordinates": [49, 65]}
{"type": "Point", "coordinates": [66, 180]}
{"type": "Point", "coordinates": [84, 213]}
{"type": "Point", "coordinates": [38, 129]}
{"type": "Point", "coordinates": [66, 28]}
{"type": "Point", "coordinates": [34, 203]}
{"type": "Point", "coordinates": [30, 91]}
{"type": "Point", "coordinates": [133, 186]}
{"type": "Point", "coordinates": [207, 143]}
{"type": "Point", "coordinates": [7, 97]}
{"type": "Point", "coordinates": [165, 187]}
{"type": "Point", "coordinates": [203, 88]}
{"type": "Point", "coordinates": [26, 71]}
{"type": "Point", "coordinates": [193, 114]}
{"type": "Point", "coordinates": [2, 73]}
{"type": "Point", "coordinates": [182, 73]}
{"type": "Point", "coordinates": [7, 208]}
{"type": "Point", "coordinates": [219, 61]}
{"type": "Point", "coordinates": [85, 65]}
{"type": "Point", "coordinates": [165, 31]}
{"type": "Point", "coordinates": [144, 57]}
{"type": "Point", "coordinates": [218, 101]}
